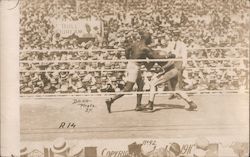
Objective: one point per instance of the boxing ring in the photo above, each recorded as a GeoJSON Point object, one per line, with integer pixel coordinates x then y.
{"type": "Point", "coordinates": [165, 122]}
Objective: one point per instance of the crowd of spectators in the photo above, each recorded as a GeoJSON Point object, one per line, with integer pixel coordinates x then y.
{"type": "Point", "coordinates": [71, 82]}
{"type": "Point", "coordinates": [96, 82]}
{"type": "Point", "coordinates": [112, 54]}
{"type": "Point", "coordinates": [203, 23]}
{"type": "Point", "coordinates": [103, 60]}
{"type": "Point", "coordinates": [119, 54]}
{"type": "Point", "coordinates": [200, 24]}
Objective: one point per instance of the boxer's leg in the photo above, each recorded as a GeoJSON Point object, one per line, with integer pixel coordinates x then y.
{"type": "Point", "coordinates": [157, 81]}
{"type": "Point", "coordinates": [153, 84]}
{"type": "Point", "coordinates": [140, 84]}
{"type": "Point", "coordinates": [172, 84]}
{"type": "Point", "coordinates": [133, 71]}
{"type": "Point", "coordinates": [128, 87]}
{"type": "Point", "coordinates": [178, 65]}
{"type": "Point", "coordinates": [180, 78]}
{"type": "Point", "coordinates": [185, 97]}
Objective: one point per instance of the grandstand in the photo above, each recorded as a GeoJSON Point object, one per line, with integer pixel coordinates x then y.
{"type": "Point", "coordinates": [52, 61]}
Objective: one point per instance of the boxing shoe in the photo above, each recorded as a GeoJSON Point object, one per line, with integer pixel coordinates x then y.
{"type": "Point", "coordinates": [149, 106]}
{"type": "Point", "coordinates": [109, 103]}
{"type": "Point", "coordinates": [192, 106]}
{"type": "Point", "coordinates": [172, 96]}
{"type": "Point", "coordinates": [139, 108]}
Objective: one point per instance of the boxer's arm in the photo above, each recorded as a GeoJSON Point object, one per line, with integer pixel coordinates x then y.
{"type": "Point", "coordinates": [170, 62]}
{"type": "Point", "coordinates": [149, 53]}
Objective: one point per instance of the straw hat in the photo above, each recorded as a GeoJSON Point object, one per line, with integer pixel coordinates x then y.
{"type": "Point", "coordinates": [175, 148]}
{"type": "Point", "coordinates": [59, 146]}
{"type": "Point", "coordinates": [202, 143]}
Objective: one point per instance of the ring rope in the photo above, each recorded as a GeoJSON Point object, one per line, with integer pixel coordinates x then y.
{"type": "Point", "coordinates": [135, 60]}
{"type": "Point", "coordinates": [105, 50]}
{"type": "Point", "coordinates": [110, 70]}
{"type": "Point", "coordinates": [192, 92]}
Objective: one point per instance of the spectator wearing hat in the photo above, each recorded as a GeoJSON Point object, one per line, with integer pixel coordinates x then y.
{"type": "Point", "coordinates": [205, 149]}
{"type": "Point", "coordinates": [64, 82]}
{"type": "Point", "coordinates": [60, 148]}
{"type": "Point", "coordinates": [73, 80]}
{"type": "Point", "coordinates": [175, 149]}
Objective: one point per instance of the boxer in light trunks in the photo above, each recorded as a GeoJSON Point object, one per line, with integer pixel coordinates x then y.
{"type": "Point", "coordinates": [169, 75]}
{"type": "Point", "coordinates": [138, 50]}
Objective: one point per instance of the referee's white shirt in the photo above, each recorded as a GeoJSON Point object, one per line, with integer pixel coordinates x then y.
{"type": "Point", "coordinates": [178, 48]}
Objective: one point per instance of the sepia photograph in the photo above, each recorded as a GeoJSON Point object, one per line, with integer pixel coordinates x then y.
{"type": "Point", "coordinates": [133, 78]}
